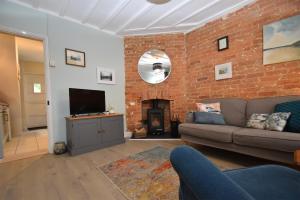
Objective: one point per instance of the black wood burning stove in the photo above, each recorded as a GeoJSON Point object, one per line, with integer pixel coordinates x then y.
{"type": "Point", "coordinates": [155, 117]}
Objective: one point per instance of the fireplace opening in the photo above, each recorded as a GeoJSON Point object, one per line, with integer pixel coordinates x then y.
{"type": "Point", "coordinates": [156, 118]}
{"type": "Point", "coordinates": [156, 121]}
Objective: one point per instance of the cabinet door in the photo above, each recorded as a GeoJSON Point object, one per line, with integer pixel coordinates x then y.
{"type": "Point", "coordinates": [85, 133]}
{"type": "Point", "coordinates": [112, 129]}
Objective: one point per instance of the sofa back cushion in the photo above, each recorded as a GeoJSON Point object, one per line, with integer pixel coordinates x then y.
{"type": "Point", "coordinates": [233, 110]}
{"type": "Point", "coordinates": [266, 105]}
{"type": "Point", "coordinates": [209, 118]}
{"type": "Point", "coordinates": [293, 124]}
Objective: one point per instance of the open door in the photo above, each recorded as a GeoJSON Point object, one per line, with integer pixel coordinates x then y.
{"type": "Point", "coordinates": [23, 91]}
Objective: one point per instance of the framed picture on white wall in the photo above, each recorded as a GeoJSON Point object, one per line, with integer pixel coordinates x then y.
{"type": "Point", "coordinates": [106, 75]}
{"type": "Point", "coordinates": [74, 57]}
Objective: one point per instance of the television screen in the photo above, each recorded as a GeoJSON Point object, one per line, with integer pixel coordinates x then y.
{"type": "Point", "coordinates": [86, 101]}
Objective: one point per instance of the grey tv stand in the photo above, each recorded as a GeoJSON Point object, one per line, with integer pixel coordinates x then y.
{"type": "Point", "coordinates": [88, 133]}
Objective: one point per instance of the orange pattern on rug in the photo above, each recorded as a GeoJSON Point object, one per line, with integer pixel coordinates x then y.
{"type": "Point", "coordinates": [144, 176]}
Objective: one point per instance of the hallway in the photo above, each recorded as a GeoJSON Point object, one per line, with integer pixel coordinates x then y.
{"type": "Point", "coordinates": [30, 144]}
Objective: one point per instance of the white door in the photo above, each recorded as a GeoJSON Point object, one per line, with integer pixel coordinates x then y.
{"type": "Point", "coordinates": [34, 100]}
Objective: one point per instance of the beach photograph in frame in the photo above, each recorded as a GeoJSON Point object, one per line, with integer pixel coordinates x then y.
{"type": "Point", "coordinates": [106, 76]}
{"type": "Point", "coordinates": [223, 71]}
{"type": "Point", "coordinates": [74, 57]}
{"type": "Point", "coordinates": [282, 41]}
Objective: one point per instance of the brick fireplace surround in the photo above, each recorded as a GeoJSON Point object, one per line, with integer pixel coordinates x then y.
{"type": "Point", "coordinates": [137, 90]}
{"type": "Point", "coordinates": [195, 54]}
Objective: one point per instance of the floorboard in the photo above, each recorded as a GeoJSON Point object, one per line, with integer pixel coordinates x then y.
{"type": "Point", "coordinates": [65, 177]}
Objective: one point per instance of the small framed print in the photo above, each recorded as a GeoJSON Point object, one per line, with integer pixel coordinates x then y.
{"type": "Point", "coordinates": [106, 76]}
{"type": "Point", "coordinates": [223, 43]}
{"type": "Point", "coordinates": [223, 71]}
{"type": "Point", "coordinates": [74, 57]}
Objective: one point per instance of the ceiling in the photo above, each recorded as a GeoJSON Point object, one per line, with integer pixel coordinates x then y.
{"type": "Point", "coordinates": [30, 50]}
{"type": "Point", "coordinates": [138, 17]}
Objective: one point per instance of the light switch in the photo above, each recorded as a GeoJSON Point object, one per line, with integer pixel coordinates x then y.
{"type": "Point", "coordinates": [52, 63]}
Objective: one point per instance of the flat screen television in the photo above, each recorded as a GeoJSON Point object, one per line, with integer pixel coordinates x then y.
{"type": "Point", "coordinates": [86, 101]}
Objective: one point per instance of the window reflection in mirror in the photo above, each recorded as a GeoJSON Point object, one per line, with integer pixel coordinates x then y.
{"type": "Point", "coordinates": [154, 66]}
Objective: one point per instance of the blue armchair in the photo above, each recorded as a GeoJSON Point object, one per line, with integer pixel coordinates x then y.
{"type": "Point", "coordinates": [200, 179]}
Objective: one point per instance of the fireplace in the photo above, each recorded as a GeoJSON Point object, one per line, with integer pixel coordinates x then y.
{"type": "Point", "coordinates": [156, 117]}
{"type": "Point", "coordinates": [156, 121]}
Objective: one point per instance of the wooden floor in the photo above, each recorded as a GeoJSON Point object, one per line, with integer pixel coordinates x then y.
{"type": "Point", "coordinates": [65, 177]}
{"type": "Point", "coordinates": [30, 143]}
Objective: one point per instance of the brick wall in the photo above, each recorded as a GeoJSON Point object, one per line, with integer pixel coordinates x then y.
{"type": "Point", "coordinates": [251, 79]}
{"type": "Point", "coordinates": [137, 90]}
{"type": "Point", "coordinates": [194, 56]}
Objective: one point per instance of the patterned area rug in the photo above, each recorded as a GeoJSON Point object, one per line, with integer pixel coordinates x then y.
{"type": "Point", "coordinates": [144, 176]}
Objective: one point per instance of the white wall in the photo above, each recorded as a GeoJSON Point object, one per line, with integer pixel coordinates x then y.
{"type": "Point", "coordinates": [100, 49]}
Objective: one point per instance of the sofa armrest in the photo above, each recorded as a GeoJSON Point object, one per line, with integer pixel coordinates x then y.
{"type": "Point", "coordinates": [200, 179]}
{"type": "Point", "coordinates": [297, 157]}
{"type": "Point", "coordinates": [189, 117]}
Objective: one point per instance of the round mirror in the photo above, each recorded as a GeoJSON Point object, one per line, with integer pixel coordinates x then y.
{"type": "Point", "coordinates": [154, 66]}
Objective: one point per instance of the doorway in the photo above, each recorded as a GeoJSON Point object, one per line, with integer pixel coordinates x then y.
{"type": "Point", "coordinates": [23, 97]}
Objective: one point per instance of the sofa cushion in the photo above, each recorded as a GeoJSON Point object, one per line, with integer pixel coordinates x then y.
{"type": "Point", "coordinates": [209, 107]}
{"type": "Point", "coordinates": [257, 121]}
{"type": "Point", "coordinates": [209, 118]}
{"type": "Point", "coordinates": [293, 124]}
{"type": "Point", "coordinates": [220, 133]}
{"type": "Point", "coordinates": [274, 140]}
{"type": "Point", "coordinates": [267, 105]}
{"type": "Point", "coordinates": [277, 121]}
{"type": "Point", "coordinates": [233, 109]}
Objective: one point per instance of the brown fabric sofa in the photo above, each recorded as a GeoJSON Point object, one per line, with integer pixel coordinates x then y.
{"type": "Point", "coordinates": [273, 145]}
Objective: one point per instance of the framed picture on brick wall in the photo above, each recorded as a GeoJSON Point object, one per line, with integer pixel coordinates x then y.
{"type": "Point", "coordinates": [223, 71]}
{"type": "Point", "coordinates": [281, 41]}
{"type": "Point", "coordinates": [223, 43]}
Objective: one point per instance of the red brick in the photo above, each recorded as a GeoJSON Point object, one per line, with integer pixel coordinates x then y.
{"type": "Point", "coordinates": [195, 54]}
